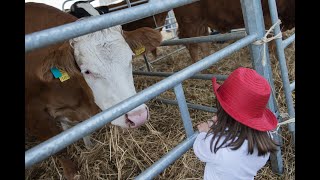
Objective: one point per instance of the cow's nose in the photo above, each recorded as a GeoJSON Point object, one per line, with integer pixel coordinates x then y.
{"type": "Point", "coordinates": [137, 117]}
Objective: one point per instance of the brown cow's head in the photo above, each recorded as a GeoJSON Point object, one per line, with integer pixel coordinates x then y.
{"type": "Point", "coordinates": [72, 98]}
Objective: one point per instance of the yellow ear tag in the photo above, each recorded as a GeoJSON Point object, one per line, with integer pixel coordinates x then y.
{"type": "Point", "coordinates": [140, 50]}
{"type": "Point", "coordinates": [64, 76]}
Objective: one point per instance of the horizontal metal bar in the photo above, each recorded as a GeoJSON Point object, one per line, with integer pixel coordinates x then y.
{"type": "Point", "coordinates": [210, 38]}
{"type": "Point", "coordinates": [197, 76]}
{"type": "Point", "coordinates": [292, 86]}
{"type": "Point", "coordinates": [64, 139]}
{"type": "Point", "coordinates": [159, 166]}
{"type": "Point", "coordinates": [288, 41]}
{"type": "Point", "coordinates": [171, 29]}
{"type": "Point", "coordinates": [95, 23]}
{"type": "Point", "coordinates": [165, 25]}
{"type": "Point", "coordinates": [193, 106]}
{"type": "Point", "coordinates": [125, 5]}
{"type": "Point", "coordinates": [162, 57]}
{"type": "Point", "coordinates": [169, 18]}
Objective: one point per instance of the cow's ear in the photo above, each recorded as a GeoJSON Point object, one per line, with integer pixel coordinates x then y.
{"type": "Point", "coordinates": [61, 58]}
{"type": "Point", "coordinates": [143, 40]}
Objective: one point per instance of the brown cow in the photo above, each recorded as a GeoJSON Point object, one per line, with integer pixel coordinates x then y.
{"type": "Point", "coordinates": [97, 59]}
{"type": "Point", "coordinates": [47, 100]}
{"type": "Point", "coordinates": [223, 15]}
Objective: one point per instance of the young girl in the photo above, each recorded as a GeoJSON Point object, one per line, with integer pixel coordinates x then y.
{"type": "Point", "coordinates": [236, 143]}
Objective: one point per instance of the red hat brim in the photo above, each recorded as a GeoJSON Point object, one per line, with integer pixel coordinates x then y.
{"type": "Point", "coordinates": [266, 122]}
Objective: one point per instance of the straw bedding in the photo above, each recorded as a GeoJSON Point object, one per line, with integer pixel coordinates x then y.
{"type": "Point", "coordinates": [123, 154]}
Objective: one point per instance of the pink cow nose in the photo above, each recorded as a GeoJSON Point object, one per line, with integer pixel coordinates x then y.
{"type": "Point", "coordinates": [138, 117]}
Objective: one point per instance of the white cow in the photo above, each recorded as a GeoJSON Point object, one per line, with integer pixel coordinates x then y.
{"type": "Point", "coordinates": [104, 58]}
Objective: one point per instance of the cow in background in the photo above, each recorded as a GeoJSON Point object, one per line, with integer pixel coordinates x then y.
{"type": "Point", "coordinates": [101, 60]}
{"type": "Point", "coordinates": [220, 15]}
{"type": "Point", "coordinates": [223, 15]}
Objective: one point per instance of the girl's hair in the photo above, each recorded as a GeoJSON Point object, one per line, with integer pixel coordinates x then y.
{"type": "Point", "coordinates": [235, 133]}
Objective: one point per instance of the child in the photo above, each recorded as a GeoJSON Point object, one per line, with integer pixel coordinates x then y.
{"type": "Point", "coordinates": [236, 143]}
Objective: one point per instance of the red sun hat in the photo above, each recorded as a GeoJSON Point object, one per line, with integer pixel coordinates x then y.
{"type": "Point", "coordinates": [244, 96]}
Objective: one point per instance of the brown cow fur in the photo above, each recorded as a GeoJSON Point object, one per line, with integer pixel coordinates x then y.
{"type": "Point", "coordinates": [147, 37]}
{"type": "Point", "coordinates": [46, 98]}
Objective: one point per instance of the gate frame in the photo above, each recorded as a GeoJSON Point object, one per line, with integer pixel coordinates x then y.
{"type": "Point", "coordinates": [255, 31]}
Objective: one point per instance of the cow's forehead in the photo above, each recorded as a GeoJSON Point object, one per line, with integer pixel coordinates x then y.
{"type": "Point", "coordinates": [102, 36]}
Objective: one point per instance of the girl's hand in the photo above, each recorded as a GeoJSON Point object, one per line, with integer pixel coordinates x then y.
{"type": "Point", "coordinates": [205, 126]}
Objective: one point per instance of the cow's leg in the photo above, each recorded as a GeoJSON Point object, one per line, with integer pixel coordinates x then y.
{"type": "Point", "coordinates": [43, 126]}
{"type": "Point", "coordinates": [194, 52]}
{"type": "Point", "coordinates": [40, 124]}
{"type": "Point", "coordinates": [154, 54]}
{"type": "Point", "coordinates": [205, 49]}
{"type": "Point", "coordinates": [65, 125]}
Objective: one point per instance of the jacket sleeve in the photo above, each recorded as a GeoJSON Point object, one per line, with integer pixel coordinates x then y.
{"type": "Point", "coordinates": [201, 148]}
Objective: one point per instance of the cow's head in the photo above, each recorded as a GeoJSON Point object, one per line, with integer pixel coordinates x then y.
{"type": "Point", "coordinates": [72, 99]}
{"type": "Point", "coordinates": [105, 60]}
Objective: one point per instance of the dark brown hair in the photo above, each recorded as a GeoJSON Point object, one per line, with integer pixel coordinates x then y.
{"type": "Point", "coordinates": [236, 133]}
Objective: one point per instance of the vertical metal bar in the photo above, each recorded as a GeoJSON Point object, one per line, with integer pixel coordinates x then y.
{"type": "Point", "coordinates": [292, 85]}
{"type": "Point", "coordinates": [147, 62]}
{"type": "Point", "coordinates": [128, 3]}
{"type": "Point", "coordinates": [283, 67]}
{"type": "Point", "coordinates": [178, 90]}
{"type": "Point", "coordinates": [159, 166]}
{"type": "Point", "coordinates": [254, 23]}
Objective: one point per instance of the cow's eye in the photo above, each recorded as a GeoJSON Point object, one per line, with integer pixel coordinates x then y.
{"type": "Point", "coordinates": [87, 72]}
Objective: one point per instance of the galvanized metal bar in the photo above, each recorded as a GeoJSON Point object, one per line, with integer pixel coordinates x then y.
{"type": "Point", "coordinates": [178, 90]}
{"type": "Point", "coordinates": [125, 5]}
{"type": "Point", "coordinates": [210, 38]}
{"type": "Point", "coordinates": [147, 62]}
{"type": "Point", "coordinates": [159, 166]}
{"type": "Point", "coordinates": [64, 139]}
{"type": "Point", "coordinates": [292, 86]}
{"type": "Point", "coordinates": [254, 23]}
{"type": "Point", "coordinates": [165, 25]}
{"type": "Point", "coordinates": [283, 67]}
{"type": "Point", "coordinates": [288, 41]}
{"type": "Point", "coordinates": [193, 106]}
{"type": "Point", "coordinates": [95, 23]}
{"type": "Point", "coordinates": [128, 3]}
{"type": "Point", "coordinates": [169, 18]}
{"type": "Point", "coordinates": [162, 57]}
{"type": "Point", "coordinates": [197, 76]}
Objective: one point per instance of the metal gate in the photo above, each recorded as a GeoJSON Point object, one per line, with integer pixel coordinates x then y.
{"type": "Point", "coordinates": [254, 38]}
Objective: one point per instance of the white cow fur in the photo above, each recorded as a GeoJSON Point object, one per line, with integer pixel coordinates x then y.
{"type": "Point", "coordinates": [107, 56]}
